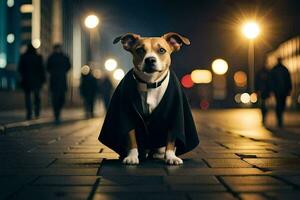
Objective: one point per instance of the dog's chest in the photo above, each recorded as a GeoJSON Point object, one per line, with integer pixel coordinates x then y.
{"type": "Point", "coordinates": [152, 97]}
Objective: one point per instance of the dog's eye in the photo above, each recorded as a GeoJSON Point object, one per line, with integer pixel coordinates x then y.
{"type": "Point", "coordinates": [140, 50]}
{"type": "Point", "coordinates": [162, 50]}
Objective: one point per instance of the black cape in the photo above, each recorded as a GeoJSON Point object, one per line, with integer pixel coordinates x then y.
{"type": "Point", "coordinates": [125, 113]}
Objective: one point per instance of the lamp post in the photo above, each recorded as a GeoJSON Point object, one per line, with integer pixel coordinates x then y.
{"type": "Point", "coordinates": [251, 30]}
{"type": "Point", "coordinates": [91, 22]}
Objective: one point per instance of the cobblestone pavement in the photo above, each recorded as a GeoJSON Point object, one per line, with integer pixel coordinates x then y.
{"type": "Point", "coordinates": [237, 159]}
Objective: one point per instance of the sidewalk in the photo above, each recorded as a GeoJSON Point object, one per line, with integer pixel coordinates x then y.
{"type": "Point", "coordinates": [236, 159]}
{"type": "Point", "coordinates": [13, 120]}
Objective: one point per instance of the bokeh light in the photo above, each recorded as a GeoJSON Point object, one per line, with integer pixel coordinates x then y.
{"type": "Point", "coordinates": [219, 66]}
{"type": "Point", "coordinates": [186, 81]}
{"type": "Point", "coordinates": [10, 38]}
{"type": "Point", "coordinates": [118, 74]}
{"type": "Point", "coordinates": [201, 76]}
{"type": "Point", "coordinates": [110, 64]}
{"type": "Point", "coordinates": [36, 43]}
{"type": "Point", "coordinates": [91, 21]}
{"type": "Point", "coordinates": [237, 98]}
{"type": "Point", "coordinates": [240, 78]}
{"type": "Point", "coordinates": [245, 98]}
{"type": "Point", "coordinates": [251, 30]}
{"type": "Point", "coordinates": [253, 98]}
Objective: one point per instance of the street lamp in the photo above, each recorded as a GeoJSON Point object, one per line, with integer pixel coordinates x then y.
{"type": "Point", "coordinates": [251, 30]}
{"type": "Point", "coordinates": [91, 21]}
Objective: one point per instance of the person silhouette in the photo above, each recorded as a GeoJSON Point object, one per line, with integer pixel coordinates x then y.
{"type": "Point", "coordinates": [281, 87]}
{"type": "Point", "coordinates": [33, 77]}
{"type": "Point", "coordinates": [58, 64]}
{"type": "Point", "coordinates": [263, 90]}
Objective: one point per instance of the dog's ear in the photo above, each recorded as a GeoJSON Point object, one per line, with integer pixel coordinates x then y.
{"type": "Point", "coordinates": [128, 40]}
{"type": "Point", "coordinates": [176, 40]}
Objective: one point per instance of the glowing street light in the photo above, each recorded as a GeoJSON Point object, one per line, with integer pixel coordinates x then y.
{"type": "Point", "coordinates": [118, 74]}
{"type": "Point", "coordinates": [219, 66]}
{"type": "Point", "coordinates": [251, 30]}
{"type": "Point", "coordinates": [110, 64]}
{"type": "Point", "coordinates": [91, 21]}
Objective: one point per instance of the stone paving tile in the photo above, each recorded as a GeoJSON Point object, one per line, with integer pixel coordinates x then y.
{"type": "Point", "coordinates": [140, 195]}
{"type": "Point", "coordinates": [130, 180]}
{"type": "Point", "coordinates": [252, 197]}
{"type": "Point", "coordinates": [208, 180]}
{"type": "Point", "coordinates": [230, 163]}
{"type": "Point", "coordinates": [197, 188]}
{"type": "Point", "coordinates": [66, 180]}
{"type": "Point", "coordinates": [293, 179]}
{"type": "Point", "coordinates": [286, 195]}
{"type": "Point", "coordinates": [213, 171]}
{"type": "Point", "coordinates": [133, 188]}
{"type": "Point", "coordinates": [50, 171]}
{"type": "Point", "coordinates": [211, 196]}
{"type": "Point", "coordinates": [274, 162]}
{"type": "Point", "coordinates": [251, 180]}
{"type": "Point", "coordinates": [259, 188]}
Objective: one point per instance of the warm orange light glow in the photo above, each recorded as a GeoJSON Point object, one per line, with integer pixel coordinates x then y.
{"type": "Point", "coordinates": [201, 76]}
{"type": "Point", "coordinates": [26, 8]}
{"type": "Point", "coordinates": [253, 98]}
{"type": "Point", "coordinates": [91, 21]}
{"type": "Point", "coordinates": [245, 98]}
{"type": "Point", "coordinates": [240, 78]}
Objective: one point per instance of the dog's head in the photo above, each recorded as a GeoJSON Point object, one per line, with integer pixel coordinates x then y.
{"type": "Point", "coordinates": [151, 55]}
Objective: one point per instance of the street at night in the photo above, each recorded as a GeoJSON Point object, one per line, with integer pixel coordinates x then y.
{"type": "Point", "coordinates": [237, 159]}
{"type": "Point", "coordinates": [152, 99]}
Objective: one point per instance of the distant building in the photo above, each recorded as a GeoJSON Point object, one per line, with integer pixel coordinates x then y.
{"type": "Point", "coordinates": [289, 51]}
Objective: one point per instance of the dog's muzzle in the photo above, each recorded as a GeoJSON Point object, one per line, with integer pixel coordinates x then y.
{"type": "Point", "coordinates": [150, 65]}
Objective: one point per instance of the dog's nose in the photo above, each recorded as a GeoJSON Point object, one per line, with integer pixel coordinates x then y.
{"type": "Point", "coordinates": [150, 60]}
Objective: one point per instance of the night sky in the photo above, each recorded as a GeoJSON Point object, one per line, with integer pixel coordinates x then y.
{"type": "Point", "coordinates": [212, 26]}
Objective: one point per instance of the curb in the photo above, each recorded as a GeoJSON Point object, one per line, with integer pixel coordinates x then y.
{"type": "Point", "coordinates": [6, 128]}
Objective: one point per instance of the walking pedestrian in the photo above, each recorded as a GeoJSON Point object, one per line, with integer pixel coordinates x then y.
{"type": "Point", "coordinates": [58, 65]}
{"type": "Point", "coordinates": [106, 89]}
{"type": "Point", "coordinates": [33, 77]}
{"type": "Point", "coordinates": [263, 90]}
{"type": "Point", "coordinates": [281, 87]}
{"type": "Point", "coordinates": [88, 91]}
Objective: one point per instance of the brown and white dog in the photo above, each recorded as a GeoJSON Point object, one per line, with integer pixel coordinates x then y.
{"type": "Point", "coordinates": [152, 60]}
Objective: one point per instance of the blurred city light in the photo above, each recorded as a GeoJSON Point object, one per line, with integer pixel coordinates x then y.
{"type": "Point", "coordinates": [2, 60]}
{"type": "Point", "coordinates": [91, 21]}
{"type": "Point", "coordinates": [201, 76]}
{"type": "Point", "coordinates": [204, 104]}
{"type": "Point", "coordinates": [118, 74]}
{"type": "Point", "coordinates": [26, 8]}
{"type": "Point", "coordinates": [253, 98]}
{"type": "Point", "coordinates": [110, 64]}
{"type": "Point", "coordinates": [186, 81]}
{"type": "Point", "coordinates": [237, 98]}
{"type": "Point", "coordinates": [85, 69]}
{"type": "Point", "coordinates": [10, 3]}
{"type": "Point", "coordinates": [240, 78]}
{"type": "Point", "coordinates": [245, 98]}
{"type": "Point", "coordinates": [36, 43]}
{"type": "Point", "coordinates": [10, 38]}
{"type": "Point", "coordinates": [219, 66]}
{"type": "Point", "coordinates": [251, 30]}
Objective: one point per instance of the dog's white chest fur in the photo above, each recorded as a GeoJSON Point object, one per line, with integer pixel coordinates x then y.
{"type": "Point", "coordinates": [152, 96]}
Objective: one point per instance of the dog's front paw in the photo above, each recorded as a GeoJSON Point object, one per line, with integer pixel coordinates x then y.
{"type": "Point", "coordinates": [132, 158]}
{"type": "Point", "coordinates": [172, 159]}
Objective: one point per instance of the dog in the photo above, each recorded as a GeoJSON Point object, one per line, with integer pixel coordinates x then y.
{"type": "Point", "coordinates": [156, 97]}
